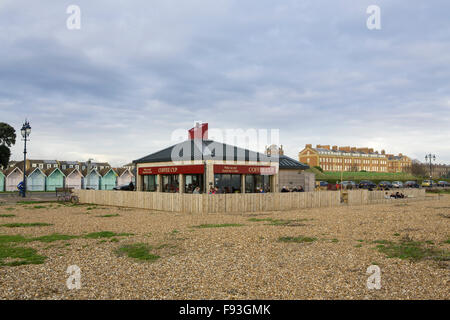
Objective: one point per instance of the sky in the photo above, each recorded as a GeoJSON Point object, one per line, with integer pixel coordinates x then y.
{"type": "Point", "coordinates": [137, 71]}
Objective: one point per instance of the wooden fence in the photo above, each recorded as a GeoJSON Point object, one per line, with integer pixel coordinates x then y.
{"type": "Point", "coordinates": [228, 203]}
{"type": "Point", "coordinates": [211, 203]}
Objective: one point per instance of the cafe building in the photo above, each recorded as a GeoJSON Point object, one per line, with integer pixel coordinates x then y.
{"type": "Point", "coordinates": [206, 164]}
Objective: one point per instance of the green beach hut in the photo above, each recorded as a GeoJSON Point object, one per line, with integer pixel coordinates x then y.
{"type": "Point", "coordinates": [55, 179]}
{"type": "Point", "coordinates": [2, 181]}
{"type": "Point", "coordinates": [108, 179]}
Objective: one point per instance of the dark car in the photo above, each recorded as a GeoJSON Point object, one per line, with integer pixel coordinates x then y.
{"type": "Point", "coordinates": [385, 185]}
{"type": "Point", "coordinates": [367, 184]}
{"type": "Point", "coordinates": [443, 184]}
{"type": "Point", "coordinates": [125, 187]}
{"type": "Point", "coordinates": [411, 184]}
{"type": "Point", "coordinates": [349, 185]}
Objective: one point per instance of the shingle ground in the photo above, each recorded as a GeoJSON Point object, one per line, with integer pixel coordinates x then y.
{"type": "Point", "coordinates": [234, 262]}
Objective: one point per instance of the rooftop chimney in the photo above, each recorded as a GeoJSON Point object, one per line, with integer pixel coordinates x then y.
{"type": "Point", "coordinates": [200, 131]}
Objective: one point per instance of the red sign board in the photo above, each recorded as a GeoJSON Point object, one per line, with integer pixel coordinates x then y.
{"type": "Point", "coordinates": [242, 169]}
{"type": "Point", "coordinates": [188, 169]}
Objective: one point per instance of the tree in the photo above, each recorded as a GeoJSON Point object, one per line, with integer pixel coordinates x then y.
{"type": "Point", "coordinates": [417, 168]}
{"type": "Point", "coordinates": [7, 139]}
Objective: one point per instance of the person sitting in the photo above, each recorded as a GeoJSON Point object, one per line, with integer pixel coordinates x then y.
{"type": "Point", "coordinates": [212, 191]}
{"type": "Point", "coordinates": [196, 190]}
{"type": "Point", "coordinates": [284, 189]}
{"type": "Point", "coordinates": [386, 196]}
{"type": "Point", "coordinates": [300, 189]}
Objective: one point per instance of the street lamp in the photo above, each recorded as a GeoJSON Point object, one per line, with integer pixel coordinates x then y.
{"type": "Point", "coordinates": [430, 157]}
{"type": "Point", "coordinates": [25, 131]}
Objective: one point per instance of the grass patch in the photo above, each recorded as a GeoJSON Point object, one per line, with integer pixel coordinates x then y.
{"type": "Point", "coordinates": [105, 234]}
{"type": "Point", "coordinates": [223, 225]}
{"type": "Point", "coordinates": [9, 209]}
{"type": "Point", "coordinates": [32, 202]}
{"type": "Point", "coordinates": [447, 241]}
{"type": "Point", "coordinates": [36, 207]}
{"type": "Point", "coordinates": [108, 215]}
{"type": "Point", "coordinates": [413, 251]}
{"type": "Point", "coordinates": [7, 215]}
{"type": "Point", "coordinates": [278, 222]}
{"type": "Point", "coordinates": [299, 239]}
{"type": "Point", "coordinates": [358, 246]}
{"type": "Point", "coordinates": [25, 225]}
{"type": "Point", "coordinates": [17, 256]}
{"type": "Point", "coordinates": [259, 220]}
{"type": "Point", "coordinates": [139, 251]}
{"type": "Point", "coordinates": [5, 239]}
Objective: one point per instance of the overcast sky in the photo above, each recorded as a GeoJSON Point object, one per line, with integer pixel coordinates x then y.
{"type": "Point", "coordinates": [116, 89]}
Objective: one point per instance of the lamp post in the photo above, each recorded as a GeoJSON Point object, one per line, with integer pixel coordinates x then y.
{"type": "Point", "coordinates": [430, 157]}
{"type": "Point", "coordinates": [25, 131]}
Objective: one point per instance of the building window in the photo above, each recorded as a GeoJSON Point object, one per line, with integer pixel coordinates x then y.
{"type": "Point", "coordinates": [228, 183]}
{"type": "Point", "coordinates": [192, 181]}
{"type": "Point", "coordinates": [150, 183]}
{"type": "Point", "coordinates": [257, 183]}
{"type": "Point", "coordinates": [170, 183]}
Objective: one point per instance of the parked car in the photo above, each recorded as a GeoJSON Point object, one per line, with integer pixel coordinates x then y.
{"type": "Point", "coordinates": [323, 183]}
{"type": "Point", "coordinates": [428, 183]}
{"type": "Point", "coordinates": [385, 185]}
{"type": "Point", "coordinates": [125, 187]}
{"type": "Point", "coordinates": [411, 184]}
{"type": "Point", "coordinates": [397, 184]}
{"type": "Point", "coordinates": [443, 184]}
{"type": "Point", "coordinates": [367, 184]}
{"type": "Point", "coordinates": [349, 185]}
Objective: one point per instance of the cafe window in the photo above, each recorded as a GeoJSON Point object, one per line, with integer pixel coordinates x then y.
{"type": "Point", "coordinates": [150, 183]}
{"type": "Point", "coordinates": [191, 181]}
{"type": "Point", "coordinates": [228, 183]}
{"type": "Point", "coordinates": [170, 183]}
{"type": "Point", "coordinates": [257, 183]}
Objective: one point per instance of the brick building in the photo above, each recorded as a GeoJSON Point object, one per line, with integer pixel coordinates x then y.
{"type": "Point", "coordinates": [353, 159]}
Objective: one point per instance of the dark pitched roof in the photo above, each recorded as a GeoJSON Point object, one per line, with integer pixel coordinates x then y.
{"type": "Point", "coordinates": [105, 171]}
{"type": "Point", "coordinates": [7, 172]}
{"type": "Point", "coordinates": [48, 172]}
{"type": "Point", "coordinates": [289, 163]}
{"type": "Point", "coordinates": [121, 171]}
{"type": "Point", "coordinates": [203, 150]}
{"type": "Point", "coordinates": [69, 171]}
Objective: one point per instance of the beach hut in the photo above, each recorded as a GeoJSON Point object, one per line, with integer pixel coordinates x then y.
{"type": "Point", "coordinates": [13, 177]}
{"type": "Point", "coordinates": [35, 179]}
{"type": "Point", "coordinates": [74, 178]}
{"type": "Point", "coordinates": [55, 179]}
{"type": "Point", "coordinates": [2, 181]}
{"type": "Point", "coordinates": [91, 179]}
{"type": "Point", "coordinates": [108, 179]}
{"type": "Point", "coordinates": [124, 176]}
